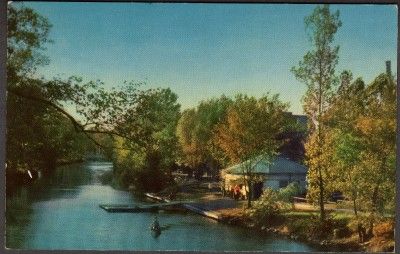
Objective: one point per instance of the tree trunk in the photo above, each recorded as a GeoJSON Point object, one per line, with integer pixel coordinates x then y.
{"type": "Point", "coordinates": [249, 194]}
{"type": "Point", "coordinates": [321, 196]}
{"type": "Point", "coordinates": [320, 179]}
{"type": "Point", "coordinates": [361, 233]}
{"type": "Point", "coordinates": [355, 207]}
{"type": "Point", "coordinates": [374, 210]}
{"type": "Point", "coordinates": [223, 187]}
{"type": "Point", "coordinates": [354, 196]}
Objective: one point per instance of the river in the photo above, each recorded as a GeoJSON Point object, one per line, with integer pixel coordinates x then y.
{"type": "Point", "coordinates": [63, 213]}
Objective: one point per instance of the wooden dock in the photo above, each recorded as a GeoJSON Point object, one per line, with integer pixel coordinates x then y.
{"type": "Point", "coordinates": [158, 198]}
{"type": "Point", "coordinates": [117, 208]}
{"type": "Point", "coordinates": [128, 208]}
{"type": "Point", "coordinates": [165, 204]}
{"type": "Point", "coordinates": [201, 211]}
{"type": "Point", "coordinates": [189, 205]}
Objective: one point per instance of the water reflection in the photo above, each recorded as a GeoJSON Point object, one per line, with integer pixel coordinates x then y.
{"type": "Point", "coordinates": [64, 214]}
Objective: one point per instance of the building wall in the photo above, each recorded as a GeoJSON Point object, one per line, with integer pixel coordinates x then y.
{"type": "Point", "coordinates": [280, 181]}
{"type": "Point", "coordinates": [273, 184]}
{"type": "Point", "coordinates": [275, 181]}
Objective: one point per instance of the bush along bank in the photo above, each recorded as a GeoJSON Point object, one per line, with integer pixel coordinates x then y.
{"type": "Point", "coordinates": [338, 232]}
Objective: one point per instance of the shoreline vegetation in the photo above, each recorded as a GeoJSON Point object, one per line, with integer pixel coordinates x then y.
{"type": "Point", "coordinates": [299, 222]}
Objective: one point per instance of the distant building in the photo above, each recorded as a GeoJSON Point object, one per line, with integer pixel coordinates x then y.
{"type": "Point", "coordinates": [302, 120]}
{"type": "Point", "coordinates": [277, 174]}
{"type": "Point", "coordinates": [293, 146]}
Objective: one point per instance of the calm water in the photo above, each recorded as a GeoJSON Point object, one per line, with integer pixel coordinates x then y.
{"type": "Point", "coordinates": [65, 214]}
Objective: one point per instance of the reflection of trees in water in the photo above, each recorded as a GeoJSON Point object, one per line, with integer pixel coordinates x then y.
{"type": "Point", "coordinates": [18, 215]}
{"type": "Point", "coordinates": [62, 183]}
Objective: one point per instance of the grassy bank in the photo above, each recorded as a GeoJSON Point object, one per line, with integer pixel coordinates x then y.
{"type": "Point", "coordinates": [338, 233]}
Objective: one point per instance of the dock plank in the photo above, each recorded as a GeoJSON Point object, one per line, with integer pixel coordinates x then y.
{"type": "Point", "coordinates": [137, 208]}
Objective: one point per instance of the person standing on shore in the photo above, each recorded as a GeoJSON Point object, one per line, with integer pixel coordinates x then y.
{"type": "Point", "coordinates": [236, 192]}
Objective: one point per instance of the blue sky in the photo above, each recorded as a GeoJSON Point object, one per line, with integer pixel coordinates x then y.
{"type": "Point", "coordinates": [205, 50]}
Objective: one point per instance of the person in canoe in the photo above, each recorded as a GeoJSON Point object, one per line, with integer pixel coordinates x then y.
{"type": "Point", "coordinates": [155, 227]}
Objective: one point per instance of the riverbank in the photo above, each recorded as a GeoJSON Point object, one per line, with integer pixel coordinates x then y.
{"type": "Point", "coordinates": [296, 224]}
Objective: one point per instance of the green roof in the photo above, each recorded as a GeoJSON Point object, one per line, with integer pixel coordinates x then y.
{"type": "Point", "coordinates": [279, 165]}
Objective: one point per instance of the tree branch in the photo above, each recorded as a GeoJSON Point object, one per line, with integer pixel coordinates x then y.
{"type": "Point", "coordinates": [76, 124]}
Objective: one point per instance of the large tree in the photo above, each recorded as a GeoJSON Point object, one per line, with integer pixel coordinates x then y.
{"type": "Point", "coordinates": [27, 35]}
{"type": "Point", "coordinates": [345, 146]}
{"type": "Point", "coordinates": [249, 133]}
{"type": "Point", "coordinates": [194, 132]}
{"type": "Point", "coordinates": [361, 126]}
{"type": "Point", "coordinates": [376, 127]}
{"type": "Point", "coordinates": [37, 134]}
{"type": "Point", "coordinates": [317, 71]}
{"type": "Point", "coordinates": [148, 152]}
{"type": "Point", "coordinates": [58, 107]}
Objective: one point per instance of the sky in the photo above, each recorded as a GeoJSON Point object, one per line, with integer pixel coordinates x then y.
{"type": "Point", "coordinates": [202, 51]}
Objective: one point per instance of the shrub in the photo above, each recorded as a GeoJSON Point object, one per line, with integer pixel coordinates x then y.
{"type": "Point", "coordinates": [320, 229]}
{"type": "Point", "coordinates": [286, 194]}
{"type": "Point", "coordinates": [341, 232]}
{"type": "Point", "coordinates": [267, 210]}
{"type": "Point", "coordinates": [341, 220]}
{"type": "Point", "coordinates": [385, 229]}
{"type": "Point", "coordinates": [299, 227]}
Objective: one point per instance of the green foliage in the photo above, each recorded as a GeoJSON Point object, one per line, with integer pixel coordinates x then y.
{"type": "Point", "coordinates": [348, 149]}
{"type": "Point", "coordinates": [38, 135]}
{"type": "Point", "coordinates": [195, 134]}
{"type": "Point", "coordinates": [359, 149]}
{"type": "Point", "coordinates": [307, 225]}
{"type": "Point", "coordinates": [292, 190]}
{"type": "Point", "coordinates": [317, 69]}
{"type": "Point", "coordinates": [363, 150]}
{"type": "Point", "coordinates": [145, 157]}
{"type": "Point", "coordinates": [250, 127]}
{"type": "Point", "coordinates": [27, 34]}
{"type": "Point", "coordinates": [40, 131]}
{"type": "Point", "coordinates": [320, 229]}
{"type": "Point", "coordinates": [317, 72]}
{"type": "Point", "coordinates": [249, 132]}
{"type": "Point", "coordinates": [268, 208]}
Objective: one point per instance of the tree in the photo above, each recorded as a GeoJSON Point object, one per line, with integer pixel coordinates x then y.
{"type": "Point", "coordinates": [317, 71]}
{"type": "Point", "coordinates": [194, 132]}
{"type": "Point", "coordinates": [377, 129]}
{"type": "Point", "coordinates": [99, 109]}
{"type": "Point", "coordinates": [361, 122]}
{"type": "Point", "coordinates": [184, 132]}
{"type": "Point", "coordinates": [39, 106]}
{"type": "Point", "coordinates": [37, 135]}
{"type": "Point", "coordinates": [27, 34]}
{"type": "Point", "coordinates": [150, 143]}
{"type": "Point", "coordinates": [345, 146]}
{"type": "Point", "coordinates": [349, 174]}
{"type": "Point", "coordinates": [249, 132]}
